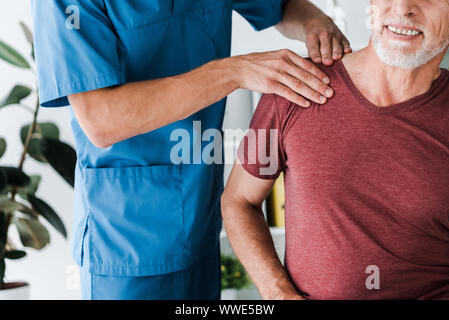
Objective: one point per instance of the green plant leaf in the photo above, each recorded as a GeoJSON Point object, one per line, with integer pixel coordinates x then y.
{"type": "Point", "coordinates": [34, 151]}
{"type": "Point", "coordinates": [46, 129]}
{"type": "Point", "coordinates": [43, 130]}
{"type": "Point", "coordinates": [61, 157]}
{"type": "Point", "coordinates": [11, 56]}
{"type": "Point", "coordinates": [3, 180]}
{"type": "Point", "coordinates": [3, 232]}
{"type": "Point", "coordinates": [16, 95]}
{"type": "Point", "coordinates": [233, 274]}
{"type": "Point", "coordinates": [48, 213]}
{"type": "Point", "coordinates": [2, 271]}
{"type": "Point", "coordinates": [32, 233]}
{"type": "Point", "coordinates": [15, 254]}
{"type": "Point", "coordinates": [27, 32]}
{"type": "Point", "coordinates": [32, 214]}
{"type": "Point", "coordinates": [29, 36]}
{"type": "Point", "coordinates": [31, 188]}
{"type": "Point", "coordinates": [15, 177]}
{"type": "Point", "coordinates": [2, 147]}
{"type": "Point", "coordinates": [8, 205]}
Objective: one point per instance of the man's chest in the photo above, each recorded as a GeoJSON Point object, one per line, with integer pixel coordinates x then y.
{"type": "Point", "coordinates": [390, 163]}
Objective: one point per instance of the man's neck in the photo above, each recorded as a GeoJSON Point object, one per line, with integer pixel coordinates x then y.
{"type": "Point", "coordinates": [385, 85]}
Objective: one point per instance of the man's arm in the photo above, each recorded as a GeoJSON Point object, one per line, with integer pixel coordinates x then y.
{"type": "Point", "coordinates": [250, 236]}
{"type": "Point", "coordinates": [111, 115]}
{"type": "Point", "coordinates": [305, 22]}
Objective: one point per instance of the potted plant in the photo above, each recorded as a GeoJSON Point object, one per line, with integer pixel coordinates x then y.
{"type": "Point", "coordinates": [233, 277]}
{"type": "Point", "coordinates": [20, 207]}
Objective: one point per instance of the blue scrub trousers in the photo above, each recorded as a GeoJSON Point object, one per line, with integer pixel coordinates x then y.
{"type": "Point", "coordinates": [200, 281]}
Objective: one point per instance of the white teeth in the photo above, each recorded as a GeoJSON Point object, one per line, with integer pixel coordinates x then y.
{"type": "Point", "coordinates": [404, 32]}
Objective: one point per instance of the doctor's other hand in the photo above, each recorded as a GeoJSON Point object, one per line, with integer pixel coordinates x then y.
{"type": "Point", "coordinates": [284, 73]}
{"type": "Point", "coordinates": [325, 42]}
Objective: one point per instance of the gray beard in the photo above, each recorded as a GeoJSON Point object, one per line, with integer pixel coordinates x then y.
{"type": "Point", "coordinates": [396, 58]}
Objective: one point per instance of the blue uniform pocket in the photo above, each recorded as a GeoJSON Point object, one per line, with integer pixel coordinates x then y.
{"type": "Point", "coordinates": [135, 225]}
{"type": "Point", "coordinates": [128, 15]}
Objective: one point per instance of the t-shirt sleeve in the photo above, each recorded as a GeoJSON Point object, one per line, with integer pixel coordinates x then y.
{"type": "Point", "coordinates": [261, 14]}
{"type": "Point", "coordinates": [76, 49]}
{"type": "Point", "coordinates": [261, 151]}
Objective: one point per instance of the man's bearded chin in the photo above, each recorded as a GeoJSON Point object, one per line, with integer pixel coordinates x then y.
{"type": "Point", "coordinates": [396, 53]}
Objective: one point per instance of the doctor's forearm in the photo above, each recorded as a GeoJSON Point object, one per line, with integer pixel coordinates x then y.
{"type": "Point", "coordinates": [296, 15]}
{"type": "Point", "coordinates": [303, 21]}
{"type": "Point", "coordinates": [111, 115]}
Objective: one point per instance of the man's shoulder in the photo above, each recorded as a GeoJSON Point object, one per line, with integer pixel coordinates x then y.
{"type": "Point", "coordinates": [277, 105]}
{"type": "Point", "coordinates": [282, 108]}
{"type": "Point", "coordinates": [332, 71]}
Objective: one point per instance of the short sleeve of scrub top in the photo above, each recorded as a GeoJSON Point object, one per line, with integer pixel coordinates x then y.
{"type": "Point", "coordinates": [261, 14]}
{"type": "Point", "coordinates": [72, 59]}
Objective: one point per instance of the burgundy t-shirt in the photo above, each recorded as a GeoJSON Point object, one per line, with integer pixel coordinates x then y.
{"type": "Point", "coordinates": [367, 190]}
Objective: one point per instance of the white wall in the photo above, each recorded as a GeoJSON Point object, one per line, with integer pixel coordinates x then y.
{"type": "Point", "coordinates": [47, 270]}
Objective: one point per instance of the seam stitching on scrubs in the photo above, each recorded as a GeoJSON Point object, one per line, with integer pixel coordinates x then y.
{"type": "Point", "coordinates": [105, 76]}
{"type": "Point", "coordinates": [82, 160]}
{"type": "Point", "coordinates": [91, 285]}
{"type": "Point", "coordinates": [113, 266]}
{"type": "Point", "coordinates": [136, 173]}
{"type": "Point", "coordinates": [89, 229]}
{"type": "Point", "coordinates": [47, 96]}
{"type": "Point", "coordinates": [184, 258]}
{"type": "Point", "coordinates": [149, 24]}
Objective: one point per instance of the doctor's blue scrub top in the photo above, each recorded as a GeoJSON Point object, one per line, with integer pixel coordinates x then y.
{"type": "Point", "coordinates": [143, 214]}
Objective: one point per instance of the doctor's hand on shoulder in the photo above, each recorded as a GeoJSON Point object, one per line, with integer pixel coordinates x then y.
{"type": "Point", "coordinates": [287, 74]}
{"type": "Point", "coordinates": [284, 73]}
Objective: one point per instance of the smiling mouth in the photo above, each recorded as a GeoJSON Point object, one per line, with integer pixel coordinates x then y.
{"type": "Point", "coordinates": [404, 31]}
